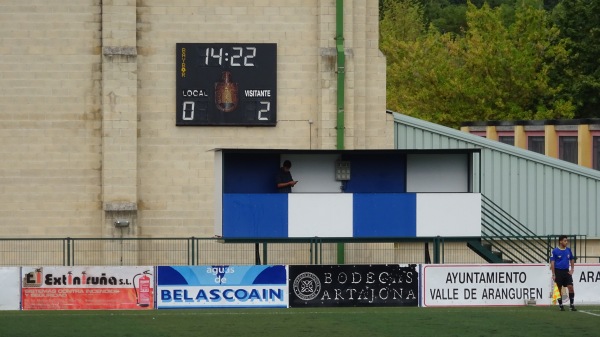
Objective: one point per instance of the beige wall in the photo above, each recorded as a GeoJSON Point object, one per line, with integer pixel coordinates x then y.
{"type": "Point", "coordinates": [50, 118]}
{"type": "Point", "coordinates": [87, 100]}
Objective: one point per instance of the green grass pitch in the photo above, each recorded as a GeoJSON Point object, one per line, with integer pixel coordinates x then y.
{"type": "Point", "coordinates": [401, 321]}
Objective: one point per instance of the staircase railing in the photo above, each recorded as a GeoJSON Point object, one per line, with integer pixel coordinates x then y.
{"type": "Point", "coordinates": [501, 232]}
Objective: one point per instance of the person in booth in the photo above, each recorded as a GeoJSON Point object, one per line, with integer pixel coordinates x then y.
{"type": "Point", "coordinates": [285, 182]}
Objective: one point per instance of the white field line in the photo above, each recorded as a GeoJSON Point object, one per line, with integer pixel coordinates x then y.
{"type": "Point", "coordinates": [589, 313]}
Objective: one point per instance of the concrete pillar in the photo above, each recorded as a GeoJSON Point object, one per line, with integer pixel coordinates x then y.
{"type": "Point", "coordinates": [551, 139]}
{"type": "Point", "coordinates": [520, 137]}
{"type": "Point", "coordinates": [491, 133]}
{"type": "Point", "coordinates": [119, 117]}
{"type": "Point", "coordinates": [584, 147]}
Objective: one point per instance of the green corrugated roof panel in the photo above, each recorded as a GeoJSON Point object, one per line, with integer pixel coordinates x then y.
{"type": "Point", "coordinates": [548, 195]}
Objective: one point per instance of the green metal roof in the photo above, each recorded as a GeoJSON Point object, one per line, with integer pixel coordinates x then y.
{"type": "Point", "coordinates": [547, 195]}
{"type": "Point", "coordinates": [495, 145]}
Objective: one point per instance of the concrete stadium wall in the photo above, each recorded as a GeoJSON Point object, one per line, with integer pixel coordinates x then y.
{"type": "Point", "coordinates": [87, 107]}
{"type": "Point", "coordinates": [50, 118]}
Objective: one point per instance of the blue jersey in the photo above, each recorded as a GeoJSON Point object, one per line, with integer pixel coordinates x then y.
{"type": "Point", "coordinates": [561, 257]}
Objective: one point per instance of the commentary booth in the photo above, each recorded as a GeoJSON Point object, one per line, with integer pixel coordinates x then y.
{"type": "Point", "coordinates": [348, 194]}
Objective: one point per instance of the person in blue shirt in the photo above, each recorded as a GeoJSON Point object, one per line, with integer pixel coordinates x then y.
{"type": "Point", "coordinates": [562, 264]}
{"type": "Point", "coordinates": [285, 182]}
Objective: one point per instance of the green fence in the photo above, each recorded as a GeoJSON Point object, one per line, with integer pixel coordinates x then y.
{"type": "Point", "coordinates": [214, 251]}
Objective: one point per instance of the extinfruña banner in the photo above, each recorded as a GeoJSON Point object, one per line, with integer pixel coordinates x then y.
{"type": "Point", "coordinates": [486, 285]}
{"type": "Point", "coordinates": [586, 281]}
{"type": "Point", "coordinates": [354, 285]}
{"type": "Point", "coordinates": [221, 286]}
{"type": "Point", "coordinates": [87, 288]}
{"type": "Point", "coordinates": [10, 298]}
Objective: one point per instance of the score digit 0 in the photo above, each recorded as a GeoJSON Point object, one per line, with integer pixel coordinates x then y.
{"type": "Point", "coordinates": [188, 106]}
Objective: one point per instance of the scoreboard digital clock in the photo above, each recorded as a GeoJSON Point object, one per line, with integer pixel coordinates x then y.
{"type": "Point", "coordinates": [226, 84]}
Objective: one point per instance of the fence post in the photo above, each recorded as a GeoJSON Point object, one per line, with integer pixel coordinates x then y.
{"type": "Point", "coordinates": [341, 253]}
{"type": "Point", "coordinates": [65, 253]}
{"type": "Point", "coordinates": [436, 250]}
{"type": "Point", "coordinates": [257, 253]}
{"type": "Point", "coordinates": [548, 247]}
{"type": "Point", "coordinates": [317, 246]}
{"type": "Point", "coordinates": [311, 251]}
{"type": "Point", "coordinates": [321, 250]}
{"type": "Point", "coordinates": [191, 251]}
{"type": "Point", "coordinates": [68, 241]}
{"type": "Point", "coordinates": [265, 261]}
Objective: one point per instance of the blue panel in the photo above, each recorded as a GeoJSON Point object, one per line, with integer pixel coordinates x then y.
{"type": "Point", "coordinates": [376, 173]}
{"type": "Point", "coordinates": [250, 172]}
{"type": "Point", "coordinates": [255, 215]}
{"type": "Point", "coordinates": [170, 276]}
{"type": "Point", "coordinates": [385, 215]}
{"type": "Point", "coordinates": [272, 275]}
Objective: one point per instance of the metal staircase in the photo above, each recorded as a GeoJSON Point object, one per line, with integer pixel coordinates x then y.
{"type": "Point", "coordinates": [505, 240]}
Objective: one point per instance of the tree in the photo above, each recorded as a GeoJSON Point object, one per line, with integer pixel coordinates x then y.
{"type": "Point", "coordinates": [579, 23]}
{"type": "Point", "coordinates": [401, 20]}
{"type": "Point", "coordinates": [449, 16]}
{"type": "Point", "coordinates": [445, 16]}
{"type": "Point", "coordinates": [492, 72]}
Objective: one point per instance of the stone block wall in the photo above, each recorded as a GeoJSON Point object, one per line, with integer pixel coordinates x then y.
{"type": "Point", "coordinates": [87, 107]}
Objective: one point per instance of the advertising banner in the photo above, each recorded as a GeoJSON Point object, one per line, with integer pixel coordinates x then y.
{"type": "Point", "coordinates": [586, 283]}
{"type": "Point", "coordinates": [87, 288]}
{"type": "Point", "coordinates": [10, 291]}
{"type": "Point", "coordinates": [221, 286]}
{"type": "Point", "coordinates": [354, 285]}
{"type": "Point", "coordinates": [486, 285]}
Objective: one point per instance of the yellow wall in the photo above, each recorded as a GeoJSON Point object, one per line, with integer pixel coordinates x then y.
{"type": "Point", "coordinates": [520, 137]}
{"type": "Point", "coordinates": [551, 139]}
{"type": "Point", "coordinates": [584, 134]}
{"type": "Point", "coordinates": [584, 149]}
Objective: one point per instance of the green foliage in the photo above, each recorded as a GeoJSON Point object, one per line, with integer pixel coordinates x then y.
{"type": "Point", "coordinates": [579, 23]}
{"type": "Point", "coordinates": [492, 72]}
{"type": "Point", "coordinates": [446, 17]}
{"type": "Point", "coordinates": [449, 16]}
{"type": "Point", "coordinates": [401, 20]}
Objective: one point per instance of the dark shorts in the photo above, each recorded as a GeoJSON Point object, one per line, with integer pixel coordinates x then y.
{"type": "Point", "coordinates": [563, 278]}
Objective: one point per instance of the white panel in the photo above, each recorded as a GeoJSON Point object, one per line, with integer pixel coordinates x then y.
{"type": "Point", "coordinates": [585, 280]}
{"type": "Point", "coordinates": [10, 292]}
{"type": "Point", "coordinates": [448, 214]}
{"type": "Point", "coordinates": [437, 173]}
{"type": "Point", "coordinates": [503, 284]}
{"type": "Point", "coordinates": [315, 173]}
{"type": "Point", "coordinates": [218, 193]}
{"type": "Point", "coordinates": [322, 215]}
